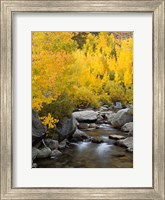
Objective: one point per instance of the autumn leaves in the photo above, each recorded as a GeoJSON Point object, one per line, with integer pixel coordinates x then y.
{"type": "Point", "coordinates": [83, 69]}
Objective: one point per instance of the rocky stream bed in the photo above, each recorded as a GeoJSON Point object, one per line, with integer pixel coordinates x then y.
{"type": "Point", "coordinates": [89, 139]}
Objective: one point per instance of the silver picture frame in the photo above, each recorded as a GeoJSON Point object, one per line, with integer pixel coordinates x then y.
{"type": "Point", "coordinates": [156, 7]}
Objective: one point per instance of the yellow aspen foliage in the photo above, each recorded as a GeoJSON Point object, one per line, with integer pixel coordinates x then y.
{"type": "Point", "coordinates": [80, 69]}
{"type": "Point", "coordinates": [49, 121]}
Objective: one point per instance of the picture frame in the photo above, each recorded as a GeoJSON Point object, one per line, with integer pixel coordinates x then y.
{"type": "Point", "coordinates": [6, 174]}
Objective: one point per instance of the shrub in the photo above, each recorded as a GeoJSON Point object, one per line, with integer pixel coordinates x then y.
{"type": "Point", "coordinates": [83, 97]}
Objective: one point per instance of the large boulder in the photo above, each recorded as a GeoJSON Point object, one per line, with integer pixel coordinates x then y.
{"type": "Point", "coordinates": [128, 127]}
{"type": "Point", "coordinates": [128, 142]}
{"type": "Point", "coordinates": [122, 117]}
{"type": "Point", "coordinates": [86, 116]}
{"type": "Point", "coordinates": [65, 128]}
{"type": "Point", "coordinates": [38, 129]}
{"type": "Point", "coordinates": [109, 116]}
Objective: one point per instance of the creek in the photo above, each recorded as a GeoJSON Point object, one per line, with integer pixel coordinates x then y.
{"type": "Point", "coordinates": [91, 155]}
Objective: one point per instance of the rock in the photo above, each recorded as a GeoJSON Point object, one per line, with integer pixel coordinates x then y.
{"type": "Point", "coordinates": [118, 105]}
{"type": "Point", "coordinates": [109, 116]}
{"type": "Point", "coordinates": [65, 128]}
{"type": "Point", "coordinates": [103, 108]}
{"type": "Point", "coordinates": [128, 127]}
{"type": "Point", "coordinates": [128, 142]}
{"type": "Point", "coordinates": [93, 125]}
{"type": "Point", "coordinates": [100, 119]}
{"type": "Point", "coordinates": [55, 153]}
{"type": "Point", "coordinates": [130, 149]}
{"type": "Point", "coordinates": [62, 144]}
{"type": "Point", "coordinates": [83, 125]}
{"type": "Point", "coordinates": [97, 140]}
{"type": "Point", "coordinates": [44, 153]}
{"type": "Point", "coordinates": [34, 153]}
{"type": "Point", "coordinates": [116, 137]}
{"type": "Point", "coordinates": [80, 135]}
{"type": "Point", "coordinates": [38, 129]}
{"type": "Point", "coordinates": [122, 117]}
{"type": "Point", "coordinates": [52, 144]}
{"type": "Point", "coordinates": [34, 165]}
{"type": "Point", "coordinates": [85, 115]}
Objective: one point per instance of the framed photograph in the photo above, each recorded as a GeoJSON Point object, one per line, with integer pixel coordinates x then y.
{"type": "Point", "coordinates": [82, 99]}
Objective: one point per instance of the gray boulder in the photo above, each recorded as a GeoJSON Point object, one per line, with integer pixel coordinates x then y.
{"type": "Point", "coordinates": [109, 116]}
{"type": "Point", "coordinates": [38, 129]}
{"type": "Point", "coordinates": [128, 142]}
{"type": "Point", "coordinates": [85, 115]}
{"type": "Point", "coordinates": [52, 144]}
{"type": "Point", "coordinates": [80, 135]}
{"type": "Point", "coordinates": [65, 128]}
{"type": "Point", "coordinates": [44, 153]}
{"type": "Point", "coordinates": [122, 117]}
{"type": "Point", "coordinates": [100, 119]}
{"type": "Point", "coordinates": [128, 127]}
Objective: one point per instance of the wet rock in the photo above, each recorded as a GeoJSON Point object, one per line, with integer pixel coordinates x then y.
{"type": "Point", "coordinates": [93, 125]}
{"type": "Point", "coordinates": [116, 137]}
{"type": "Point", "coordinates": [85, 115]}
{"type": "Point", "coordinates": [97, 140]}
{"type": "Point", "coordinates": [44, 153]}
{"type": "Point", "coordinates": [122, 117]}
{"type": "Point", "coordinates": [128, 142]}
{"type": "Point", "coordinates": [128, 127]}
{"type": "Point", "coordinates": [100, 119]}
{"type": "Point", "coordinates": [83, 125]}
{"type": "Point", "coordinates": [80, 135]}
{"type": "Point", "coordinates": [130, 149]}
{"type": "Point", "coordinates": [38, 129]}
{"type": "Point", "coordinates": [109, 116]}
{"type": "Point", "coordinates": [66, 128]}
{"type": "Point", "coordinates": [34, 153]}
{"type": "Point", "coordinates": [52, 144]}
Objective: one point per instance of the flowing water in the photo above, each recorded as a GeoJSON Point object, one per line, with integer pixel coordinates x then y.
{"type": "Point", "coordinates": [91, 155]}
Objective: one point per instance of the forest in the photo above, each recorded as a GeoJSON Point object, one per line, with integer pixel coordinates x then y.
{"type": "Point", "coordinates": [79, 70]}
{"type": "Point", "coordinates": [82, 99]}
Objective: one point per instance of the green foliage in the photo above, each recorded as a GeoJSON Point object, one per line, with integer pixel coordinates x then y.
{"type": "Point", "coordinates": [59, 109]}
